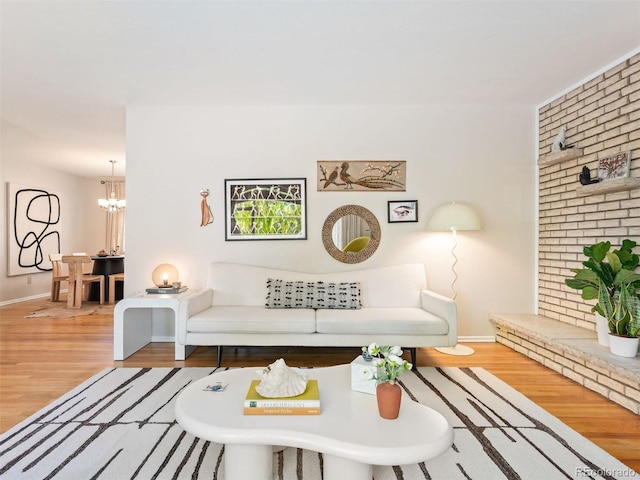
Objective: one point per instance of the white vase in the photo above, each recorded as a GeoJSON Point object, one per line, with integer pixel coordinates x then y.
{"type": "Point", "coordinates": [623, 346]}
{"type": "Point", "coordinates": [602, 329]}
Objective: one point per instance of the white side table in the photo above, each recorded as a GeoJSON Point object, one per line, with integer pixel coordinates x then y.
{"type": "Point", "coordinates": [132, 322]}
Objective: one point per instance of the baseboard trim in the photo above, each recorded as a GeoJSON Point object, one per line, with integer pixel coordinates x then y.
{"type": "Point", "coordinates": [477, 339]}
{"type": "Point", "coordinates": [26, 299]}
{"type": "Point", "coordinates": [163, 339]}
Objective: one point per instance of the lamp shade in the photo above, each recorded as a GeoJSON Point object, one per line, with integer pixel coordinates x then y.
{"type": "Point", "coordinates": [453, 217]}
{"type": "Point", "coordinates": [164, 275]}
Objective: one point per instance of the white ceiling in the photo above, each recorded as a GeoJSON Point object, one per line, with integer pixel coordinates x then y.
{"type": "Point", "coordinates": [70, 68]}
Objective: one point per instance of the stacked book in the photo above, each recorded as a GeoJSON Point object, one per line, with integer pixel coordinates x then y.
{"type": "Point", "coordinates": [166, 290]}
{"type": "Point", "coordinates": [307, 403]}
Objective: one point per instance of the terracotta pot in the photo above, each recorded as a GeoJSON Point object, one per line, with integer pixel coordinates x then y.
{"type": "Point", "coordinates": [388, 396]}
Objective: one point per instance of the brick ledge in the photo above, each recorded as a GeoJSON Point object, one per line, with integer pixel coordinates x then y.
{"type": "Point", "coordinates": [573, 352]}
{"type": "Point", "coordinates": [575, 340]}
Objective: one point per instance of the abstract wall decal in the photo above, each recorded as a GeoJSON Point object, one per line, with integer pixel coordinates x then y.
{"type": "Point", "coordinates": [34, 221]}
{"type": "Point", "coordinates": [361, 175]}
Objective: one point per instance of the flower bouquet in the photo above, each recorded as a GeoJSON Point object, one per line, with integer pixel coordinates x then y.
{"type": "Point", "coordinates": [389, 366]}
{"type": "Point", "coordinates": [388, 361]}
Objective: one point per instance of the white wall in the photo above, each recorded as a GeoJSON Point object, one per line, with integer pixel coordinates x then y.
{"type": "Point", "coordinates": [84, 222]}
{"type": "Point", "coordinates": [481, 155]}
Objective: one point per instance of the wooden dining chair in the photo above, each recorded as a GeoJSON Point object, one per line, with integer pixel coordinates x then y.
{"type": "Point", "coordinates": [58, 275]}
{"type": "Point", "coordinates": [77, 279]}
{"type": "Point", "coordinates": [113, 278]}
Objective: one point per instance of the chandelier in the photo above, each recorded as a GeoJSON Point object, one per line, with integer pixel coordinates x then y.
{"type": "Point", "coordinates": [112, 204]}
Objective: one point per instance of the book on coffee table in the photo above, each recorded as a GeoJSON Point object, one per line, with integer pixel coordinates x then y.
{"type": "Point", "coordinates": [307, 403]}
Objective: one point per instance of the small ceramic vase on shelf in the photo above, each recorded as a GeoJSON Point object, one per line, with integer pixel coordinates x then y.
{"type": "Point", "coordinates": [388, 396]}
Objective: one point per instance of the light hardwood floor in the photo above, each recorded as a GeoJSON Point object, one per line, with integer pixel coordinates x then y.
{"type": "Point", "coordinates": [42, 358]}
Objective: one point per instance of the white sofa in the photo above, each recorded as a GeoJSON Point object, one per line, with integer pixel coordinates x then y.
{"type": "Point", "coordinates": [397, 309]}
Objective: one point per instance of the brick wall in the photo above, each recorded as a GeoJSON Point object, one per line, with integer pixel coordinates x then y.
{"type": "Point", "coordinates": [602, 118]}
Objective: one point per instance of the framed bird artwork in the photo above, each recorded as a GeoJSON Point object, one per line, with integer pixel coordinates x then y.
{"type": "Point", "coordinates": [362, 175]}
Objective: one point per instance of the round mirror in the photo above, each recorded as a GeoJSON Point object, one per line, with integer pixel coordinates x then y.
{"type": "Point", "coordinates": [351, 234]}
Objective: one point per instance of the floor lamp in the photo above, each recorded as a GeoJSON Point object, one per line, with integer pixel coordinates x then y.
{"type": "Point", "coordinates": [453, 217]}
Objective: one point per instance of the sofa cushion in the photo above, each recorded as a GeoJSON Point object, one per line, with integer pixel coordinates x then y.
{"type": "Point", "coordinates": [318, 295]}
{"type": "Point", "coordinates": [381, 321]}
{"type": "Point", "coordinates": [250, 319]}
{"type": "Point", "coordinates": [393, 286]}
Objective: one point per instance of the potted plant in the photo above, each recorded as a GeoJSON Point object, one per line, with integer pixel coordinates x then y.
{"type": "Point", "coordinates": [599, 275]}
{"type": "Point", "coordinates": [389, 366]}
{"type": "Point", "coordinates": [623, 316]}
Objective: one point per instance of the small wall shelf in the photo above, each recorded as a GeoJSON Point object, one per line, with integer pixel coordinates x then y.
{"type": "Point", "coordinates": [563, 156]}
{"type": "Point", "coordinates": [609, 186]}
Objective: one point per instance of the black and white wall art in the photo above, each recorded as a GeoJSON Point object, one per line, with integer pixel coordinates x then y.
{"type": "Point", "coordinates": [34, 228]}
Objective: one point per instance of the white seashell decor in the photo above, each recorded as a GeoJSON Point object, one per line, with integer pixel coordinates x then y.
{"type": "Point", "coordinates": [280, 380]}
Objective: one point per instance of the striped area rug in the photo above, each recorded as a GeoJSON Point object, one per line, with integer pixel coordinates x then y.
{"type": "Point", "coordinates": [120, 425]}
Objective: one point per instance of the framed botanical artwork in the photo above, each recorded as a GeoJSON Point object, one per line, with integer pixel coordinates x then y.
{"type": "Point", "coordinates": [265, 209]}
{"type": "Point", "coordinates": [362, 175]}
{"type": "Point", "coordinates": [402, 211]}
{"type": "Point", "coordinates": [614, 166]}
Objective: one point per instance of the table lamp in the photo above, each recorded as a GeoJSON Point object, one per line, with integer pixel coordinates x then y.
{"type": "Point", "coordinates": [164, 275]}
{"type": "Point", "coordinates": [453, 217]}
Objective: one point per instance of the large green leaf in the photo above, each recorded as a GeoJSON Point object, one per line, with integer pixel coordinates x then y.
{"type": "Point", "coordinates": [614, 261]}
{"type": "Point", "coordinates": [590, 293]}
{"type": "Point", "coordinates": [604, 300]}
{"type": "Point", "coordinates": [577, 284]}
{"type": "Point", "coordinates": [629, 259]}
{"type": "Point", "coordinates": [626, 277]}
{"type": "Point", "coordinates": [589, 287]}
{"type": "Point", "coordinates": [602, 270]}
{"type": "Point", "coordinates": [631, 304]}
{"type": "Point", "coordinates": [628, 244]}
{"type": "Point", "coordinates": [582, 278]}
{"type": "Point", "coordinates": [598, 251]}
{"type": "Point", "coordinates": [619, 320]}
{"type": "Point", "coordinates": [586, 275]}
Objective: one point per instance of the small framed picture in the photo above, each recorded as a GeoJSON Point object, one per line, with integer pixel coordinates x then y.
{"type": "Point", "coordinates": [614, 166]}
{"type": "Point", "coordinates": [402, 211]}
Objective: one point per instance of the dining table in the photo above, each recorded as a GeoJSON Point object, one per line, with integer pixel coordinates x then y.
{"type": "Point", "coordinates": [106, 265]}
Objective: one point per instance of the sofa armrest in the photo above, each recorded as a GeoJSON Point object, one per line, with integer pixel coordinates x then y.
{"type": "Point", "coordinates": [189, 306]}
{"type": "Point", "coordinates": [442, 307]}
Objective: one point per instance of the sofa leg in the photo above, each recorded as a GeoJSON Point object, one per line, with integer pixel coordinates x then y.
{"type": "Point", "coordinates": [413, 358]}
{"type": "Point", "coordinates": [219, 355]}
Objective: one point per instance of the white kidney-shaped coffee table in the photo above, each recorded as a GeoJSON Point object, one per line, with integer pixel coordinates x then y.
{"type": "Point", "coordinates": [348, 432]}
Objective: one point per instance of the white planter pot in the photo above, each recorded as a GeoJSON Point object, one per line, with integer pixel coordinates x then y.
{"type": "Point", "coordinates": [602, 329]}
{"type": "Point", "coordinates": [623, 346]}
